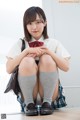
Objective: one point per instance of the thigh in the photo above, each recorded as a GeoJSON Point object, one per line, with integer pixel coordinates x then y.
{"type": "Point", "coordinates": [41, 92]}
{"type": "Point", "coordinates": [36, 87]}
{"type": "Point", "coordinates": [35, 91]}
{"type": "Point", "coordinates": [55, 94]}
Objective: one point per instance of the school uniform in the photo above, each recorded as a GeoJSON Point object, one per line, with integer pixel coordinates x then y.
{"type": "Point", "coordinates": [55, 46]}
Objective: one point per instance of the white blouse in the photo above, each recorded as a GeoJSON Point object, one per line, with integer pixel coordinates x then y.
{"type": "Point", "coordinates": [53, 44]}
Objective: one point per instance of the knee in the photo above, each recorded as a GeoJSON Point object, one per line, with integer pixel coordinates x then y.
{"type": "Point", "coordinates": [46, 60]}
{"type": "Point", "coordinates": [27, 63]}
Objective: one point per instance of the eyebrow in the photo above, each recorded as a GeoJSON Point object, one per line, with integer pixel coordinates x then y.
{"type": "Point", "coordinates": [39, 20]}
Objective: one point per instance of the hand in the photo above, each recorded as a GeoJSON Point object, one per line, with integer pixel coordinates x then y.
{"type": "Point", "coordinates": [45, 50]}
{"type": "Point", "coordinates": [31, 55]}
{"type": "Point", "coordinates": [37, 51]}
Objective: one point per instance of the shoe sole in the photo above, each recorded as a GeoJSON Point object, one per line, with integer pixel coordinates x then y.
{"type": "Point", "coordinates": [31, 113]}
{"type": "Point", "coordinates": [46, 112]}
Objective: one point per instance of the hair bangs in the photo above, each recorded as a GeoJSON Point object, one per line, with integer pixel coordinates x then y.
{"type": "Point", "coordinates": [31, 17]}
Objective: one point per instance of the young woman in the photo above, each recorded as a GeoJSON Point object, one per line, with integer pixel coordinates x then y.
{"type": "Point", "coordinates": [38, 63]}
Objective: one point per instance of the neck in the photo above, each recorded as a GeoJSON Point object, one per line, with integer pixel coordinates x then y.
{"type": "Point", "coordinates": [37, 38]}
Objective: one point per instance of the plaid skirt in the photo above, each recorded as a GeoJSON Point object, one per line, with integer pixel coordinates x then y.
{"type": "Point", "coordinates": [58, 103]}
{"type": "Point", "coordinates": [60, 100]}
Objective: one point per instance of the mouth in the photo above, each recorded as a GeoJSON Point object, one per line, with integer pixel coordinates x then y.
{"type": "Point", "coordinates": [34, 31]}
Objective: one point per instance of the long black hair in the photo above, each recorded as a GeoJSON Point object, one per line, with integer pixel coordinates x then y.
{"type": "Point", "coordinates": [30, 16]}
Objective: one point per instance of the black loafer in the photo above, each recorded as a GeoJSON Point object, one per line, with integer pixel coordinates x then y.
{"type": "Point", "coordinates": [46, 109]}
{"type": "Point", "coordinates": [31, 110]}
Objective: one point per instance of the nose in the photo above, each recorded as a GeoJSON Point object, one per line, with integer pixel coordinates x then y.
{"type": "Point", "coordinates": [33, 26]}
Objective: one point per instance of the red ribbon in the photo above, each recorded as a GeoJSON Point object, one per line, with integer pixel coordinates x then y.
{"type": "Point", "coordinates": [36, 43]}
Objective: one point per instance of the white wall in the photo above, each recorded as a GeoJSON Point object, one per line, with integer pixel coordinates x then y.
{"type": "Point", "coordinates": [11, 29]}
{"type": "Point", "coordinates": [64, 25]}
{"type": "Point", "coordinates": [11, 21]}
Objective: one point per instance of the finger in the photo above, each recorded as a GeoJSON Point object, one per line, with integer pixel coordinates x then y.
{"type": "Point", "coordinates": [30, 54]}
{"type": "Point", "coordinates": [43, 47]}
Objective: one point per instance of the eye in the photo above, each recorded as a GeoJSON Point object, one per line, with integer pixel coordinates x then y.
{"type": "Point", "coordinates": [38, 22]}
{"type": "Point", "coordinates": [30, 23]}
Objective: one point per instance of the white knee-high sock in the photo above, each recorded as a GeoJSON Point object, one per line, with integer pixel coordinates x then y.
{"type": "Point", "coordinates": [48, 81]}
{"type": "Point", "coordinates": [27, 84]}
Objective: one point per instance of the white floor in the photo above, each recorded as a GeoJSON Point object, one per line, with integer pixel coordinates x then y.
{"type": "Point", "coordinates": [10, 109]}
{"type": "Point", "coordinates": [61, 114]}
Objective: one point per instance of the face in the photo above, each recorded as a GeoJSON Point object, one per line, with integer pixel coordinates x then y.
{"type": "Point", "coordinates": [36, 27]}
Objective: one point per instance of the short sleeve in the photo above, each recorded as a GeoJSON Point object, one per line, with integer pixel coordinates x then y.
{"type": "Point", "coordinates": [61, 51]}
{"type": "Point", "coordinates": [15, 50]}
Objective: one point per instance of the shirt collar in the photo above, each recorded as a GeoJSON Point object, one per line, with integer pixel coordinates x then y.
{"type": "Point", "coordinates": [41, 39]}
